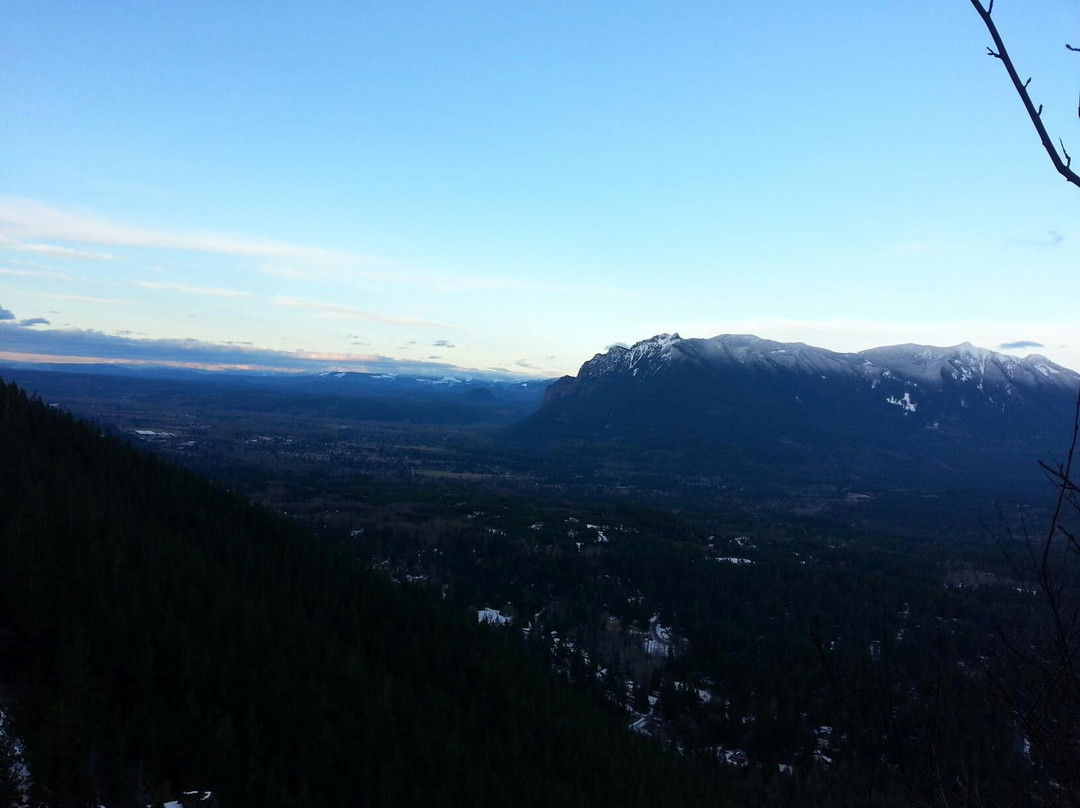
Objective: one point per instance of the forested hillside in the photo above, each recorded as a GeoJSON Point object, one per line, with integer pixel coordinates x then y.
{"type": "Point", "coordinates": [160, 634]}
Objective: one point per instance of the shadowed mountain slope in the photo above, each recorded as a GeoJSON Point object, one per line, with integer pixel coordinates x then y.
{"type": "Point", "coordinates": [959, 417]}
{"type": "Point", "coordinates": [160, 634]}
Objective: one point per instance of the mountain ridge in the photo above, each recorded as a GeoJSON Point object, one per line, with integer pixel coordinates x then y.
{"type": "Point", "coordinates": [736, 403]}
{"type": "Point", "coordinates": [902, 357]}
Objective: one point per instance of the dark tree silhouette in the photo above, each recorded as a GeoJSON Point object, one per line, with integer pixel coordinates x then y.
{"type": "Point", "coordinates": [1037, 688]}
{"type": "Point", "coordinates": [1036, 679]}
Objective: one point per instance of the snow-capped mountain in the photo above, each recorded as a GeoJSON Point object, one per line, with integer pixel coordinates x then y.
{"type": "Point", "coordinates": [738, 401]}
{"type": "Point", "coordinates": [913, 364]}
{"type": "Point", "coordinates": [521, 392]}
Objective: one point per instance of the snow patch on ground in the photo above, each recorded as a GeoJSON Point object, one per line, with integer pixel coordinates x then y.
{"type": "Point", "coordinates": [196, 796]}
{"type": "Point", "coordinates": [905, 403]}
{"type": "Point", "coordinates": [600, 535]}
{"type": "Point", "coordinates": [730, 757]}
{"type": "Point", "coordinates": [19, 773]}
{"type": "Point", "coordinates": [493, 616]}
{"type": "Point", "coordinates": [657, 642]}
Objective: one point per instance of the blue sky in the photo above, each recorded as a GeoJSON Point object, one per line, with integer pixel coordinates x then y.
{"type": "Point", "coordinates": [514, 186]}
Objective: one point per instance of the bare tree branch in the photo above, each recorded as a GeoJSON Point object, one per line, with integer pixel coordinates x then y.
{"type": "Point", "coordinates": [1038, 688]}
{"type": "Point", "coordinates": [1062, 167]}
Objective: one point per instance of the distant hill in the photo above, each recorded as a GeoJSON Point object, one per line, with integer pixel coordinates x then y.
{"type": "Point", "coordinates": [158, 635]}
{"type": "Point", "coordinates": [357, 396]}
{"type": "Point", "coordinates": [761, 411]}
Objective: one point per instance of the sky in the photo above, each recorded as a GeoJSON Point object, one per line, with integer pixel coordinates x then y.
{"type": "Point", "coordinates": [510, 187]}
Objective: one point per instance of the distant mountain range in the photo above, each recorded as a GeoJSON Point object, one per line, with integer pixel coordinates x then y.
{"type": "Point", "coordinates": [526, 392]}
{"type": "Point", "coordinates": [751, 413]}
{"type": "Point", "coordinates": [755, 409]}
{"type": "Point", "coordinates": [360, 396]}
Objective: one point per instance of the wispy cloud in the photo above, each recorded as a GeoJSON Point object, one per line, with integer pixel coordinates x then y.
{"type": "Point", "coordinates": [192, 290]}
{"type": "Point", "coordinates": [83, 298]}
{"type": "Point", "coordinates": [288, 272]}
{"type": "Point", "coordinates": [74, 346]}
{"type": "Point", "coordinates": [350, 312]}
{"type": "Point", "coordinates": [481, 283]}
{"type": "Point", "coordinates": [33, 321]}
{"type": "Point", "coordinates": [5, 314]}
{"type": "Point", "coordinates": [26, 218]}
{"type": "Point", "coordinates": [443, 343]}
{"type": "Point", "coordinates": [35, 273]}
{"type": "Point", "coordinates": [1052, 239]}
{"type": "Point", "coordinates": [1019, 344]}
{"type": "Point", "coordinates": [57, 250]}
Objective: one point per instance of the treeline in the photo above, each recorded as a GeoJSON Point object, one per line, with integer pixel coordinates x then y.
{"type": "Point", "coordinates": [835, 652]}
{"type": "Point", "coordinates": [159, 634]}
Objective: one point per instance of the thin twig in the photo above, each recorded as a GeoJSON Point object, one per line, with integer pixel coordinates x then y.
{"type": "Point", "coordinates": [1002, 53]}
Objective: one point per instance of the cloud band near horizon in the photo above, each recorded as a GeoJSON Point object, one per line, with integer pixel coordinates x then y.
{"type": "Point", "coordinates": [23, 344]}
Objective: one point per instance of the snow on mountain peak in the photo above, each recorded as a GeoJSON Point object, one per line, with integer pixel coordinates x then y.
{"type": "Point", "coordinates": [923, 366]}
{"type": "Point", "coordinates": [647, 354]}
{"type": "Point", "coordinates": [661, 346]}
{"type": "Point", "coordinates": [966, 363]}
